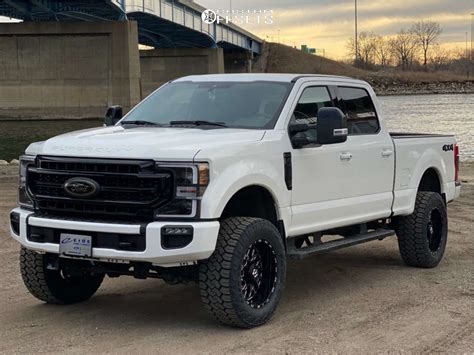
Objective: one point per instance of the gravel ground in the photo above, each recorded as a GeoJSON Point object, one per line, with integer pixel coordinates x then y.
{"type": "Point", "coordinates": [362, 299]}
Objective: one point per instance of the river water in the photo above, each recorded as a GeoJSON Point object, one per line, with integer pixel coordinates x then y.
{"type": "Point", "coordinates": [446, 114]}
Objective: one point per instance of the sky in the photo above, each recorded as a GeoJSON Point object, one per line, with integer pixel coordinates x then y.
{"type": "Point", "coordinates": [327, 24]}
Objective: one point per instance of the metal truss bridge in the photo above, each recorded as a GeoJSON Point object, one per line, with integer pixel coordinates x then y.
{"type": "Point", "coordinates": [161, 23]}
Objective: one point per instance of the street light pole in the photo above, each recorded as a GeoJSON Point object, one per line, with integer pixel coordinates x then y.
{"type": "Point", "coordinates": [356, 35]}
{"type": "Point", "coordinates": [466, 52]}
{"type": "Point", "coordinates": [472, 30]}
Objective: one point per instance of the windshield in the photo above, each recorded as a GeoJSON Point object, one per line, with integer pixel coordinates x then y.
{"type": "Point", "coordinates": [231, 104]}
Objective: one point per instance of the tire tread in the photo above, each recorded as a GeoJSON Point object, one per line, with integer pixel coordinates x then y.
{"type": "Point", "coordinates": [48, 286]}
{"type": "Point", "coordinates": [410, 231]}
{"type": "Point", "coordinates": [215, 273]}
{"type": "Point", "coordinates": [32, 272]}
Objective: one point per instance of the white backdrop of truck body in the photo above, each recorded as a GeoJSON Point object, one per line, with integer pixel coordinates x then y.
{"type": "Point", "coordinates": [379, 181]}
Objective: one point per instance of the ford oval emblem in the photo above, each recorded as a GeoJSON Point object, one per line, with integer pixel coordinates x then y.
{"type": "Point", "coordinates": [81, 187]}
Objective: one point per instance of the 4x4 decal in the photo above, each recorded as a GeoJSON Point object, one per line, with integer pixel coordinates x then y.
{"type": "Point", "coordinates": [448, 147]}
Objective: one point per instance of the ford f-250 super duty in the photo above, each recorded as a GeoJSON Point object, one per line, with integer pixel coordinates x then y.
{"type": "Point", "coordinates": [219, 179]}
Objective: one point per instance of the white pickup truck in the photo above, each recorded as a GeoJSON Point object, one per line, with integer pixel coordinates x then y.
{"type": "Point", "coordinates": [218, 179]}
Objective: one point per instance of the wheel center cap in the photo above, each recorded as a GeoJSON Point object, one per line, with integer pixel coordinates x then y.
{"type": "Point", "coordinates": [255, 272]}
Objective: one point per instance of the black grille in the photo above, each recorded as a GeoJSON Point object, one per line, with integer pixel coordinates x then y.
{"type": "Point", "coordinates": [129, 189]}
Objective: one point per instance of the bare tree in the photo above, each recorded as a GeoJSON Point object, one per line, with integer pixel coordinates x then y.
{"type": "Point", "coordinates": [382, 51]}
{"type": "Point", "coordinates": [440, 58]}
{"type": "Point", "coordinates": [366, 48]}
{"type": "Point", "coordinates": [460, 62]}
{"type": "Point", "coordinates": [403, 47]}
{"type": "Point", "coordinates": [427, 34]}
{"type": "Point", "coordinates": [351, 48]}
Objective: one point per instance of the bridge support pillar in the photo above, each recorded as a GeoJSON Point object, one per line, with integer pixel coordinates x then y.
{"type": "Point", "coordinates": [237, 61]}
{"type": "Point", "coordinates": [159, 66]}
{"type": "Point", "coordinates": [67, 69]}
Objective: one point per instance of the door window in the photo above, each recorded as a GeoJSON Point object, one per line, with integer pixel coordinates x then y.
{"type": "Point", "coordinates": [360, 111]}
{"type": "Point", "coordinates": [311, 100]}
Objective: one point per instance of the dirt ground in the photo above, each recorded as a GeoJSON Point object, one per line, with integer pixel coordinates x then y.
{"type": "Point", "coordinates": [362, 299]}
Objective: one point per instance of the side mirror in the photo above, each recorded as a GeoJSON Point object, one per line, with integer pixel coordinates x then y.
{"type": "Point", "coordinates": [298, 128]}
{"type": "Point", "coordinates": [298, 140]}
{"type": "Point", "coordinates": [113, 115]}
{"type": "Point", "coordinates": [332, 126]}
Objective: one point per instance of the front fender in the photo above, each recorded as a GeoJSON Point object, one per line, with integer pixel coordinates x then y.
{"type": "Point", "coordinates": [227, 182]}
{"type": "Point", "coordinates": [236, 166]}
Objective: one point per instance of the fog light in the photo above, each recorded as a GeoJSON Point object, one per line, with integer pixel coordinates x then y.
{"type": "Point", "coordinates": [175, 237]}
{"type": "Point", "coordinates": [15, 222]}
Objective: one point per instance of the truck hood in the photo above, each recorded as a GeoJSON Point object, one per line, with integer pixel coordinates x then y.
{"type": "Point", "coordinates": [143, 142]}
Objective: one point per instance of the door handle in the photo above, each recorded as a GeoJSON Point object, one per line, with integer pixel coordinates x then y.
{"type": "Point", "coordinates": [386, 153]}
{"type": "Point", "coordinates": [346, 156]}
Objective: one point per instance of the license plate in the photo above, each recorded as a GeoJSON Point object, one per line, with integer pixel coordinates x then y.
{"type": "Point", "coordinates": [75, 245]}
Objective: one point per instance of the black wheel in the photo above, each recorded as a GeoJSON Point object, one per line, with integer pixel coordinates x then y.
{"type": "Point", "coordinates": [55, 286]}
{"type": "Point", "coordinates": [242, 282]}
{"type": "Point", "coordinates": [422, 236]}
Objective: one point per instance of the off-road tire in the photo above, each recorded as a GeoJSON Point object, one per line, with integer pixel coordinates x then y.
{"type": "Point", "coordinates": [418, 247]}
{"type": "Point", "coordinates": [51, 286]}
{"type": "Point", "coordinates": [220, 276]}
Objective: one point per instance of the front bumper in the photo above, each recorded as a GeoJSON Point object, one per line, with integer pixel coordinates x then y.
{"type": "Point", "coordinates": [201, 247]}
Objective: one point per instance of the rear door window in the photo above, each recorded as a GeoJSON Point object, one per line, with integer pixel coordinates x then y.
{"type": "Point", "coordinates": [360, 111]}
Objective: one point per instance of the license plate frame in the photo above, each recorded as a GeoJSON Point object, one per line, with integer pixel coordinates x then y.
{"type": "Point", "coordinates": [75, 245]}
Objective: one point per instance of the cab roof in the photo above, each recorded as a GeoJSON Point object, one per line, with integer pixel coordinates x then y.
{"type": "Point", "coordinates": [288, 78]}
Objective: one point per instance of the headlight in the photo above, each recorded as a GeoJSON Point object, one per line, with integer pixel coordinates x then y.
{"type": "Point", "coordinates": [190, 182]}
{"type": "Point", "coordinates": [24, 199]}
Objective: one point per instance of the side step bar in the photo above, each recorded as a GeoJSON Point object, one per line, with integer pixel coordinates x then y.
{"type": "Point", "coordinates": [302, 253]}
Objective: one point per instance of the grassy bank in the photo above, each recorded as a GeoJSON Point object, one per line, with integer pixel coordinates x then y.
{"type": "Point", "coordinates": [278, 58]}
{"type": "Point", "coordinates": [15, 136]}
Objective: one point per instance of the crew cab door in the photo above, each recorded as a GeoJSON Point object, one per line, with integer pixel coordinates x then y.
{"type": "Point", "coordinates": [344, 183]}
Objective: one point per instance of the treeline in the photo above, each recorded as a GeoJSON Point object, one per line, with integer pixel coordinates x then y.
{"type": "Point", "coordinates": [416, 48]}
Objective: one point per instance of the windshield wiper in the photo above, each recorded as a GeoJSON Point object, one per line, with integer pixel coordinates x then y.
{"type": "Point", "coordinates": [198, 123]}
{"type": "Point", "coordinates": [141, 123]}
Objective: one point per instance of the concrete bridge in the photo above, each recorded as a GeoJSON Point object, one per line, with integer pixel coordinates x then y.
{"type": "Point", "coordinates": [161, 23]}
{"type": "Point", "coordinates": [73, 58]}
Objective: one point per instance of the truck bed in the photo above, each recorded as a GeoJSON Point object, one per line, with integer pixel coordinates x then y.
{"type": "Point", "coordinates": [396, 135]}
{"type": "Point", "coordinates": [414, 154]}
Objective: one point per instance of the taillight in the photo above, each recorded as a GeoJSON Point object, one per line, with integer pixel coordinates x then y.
{"type": "Point", "coordinates": [456, 163]}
